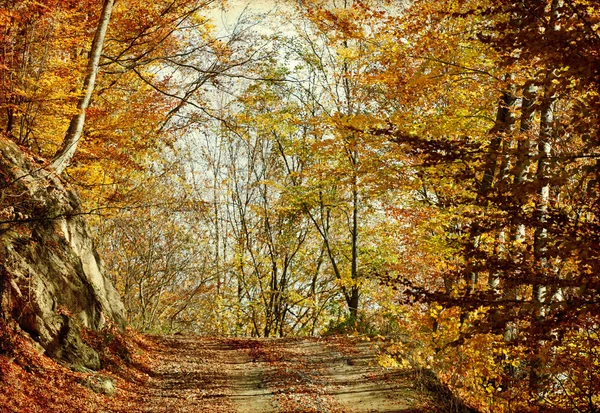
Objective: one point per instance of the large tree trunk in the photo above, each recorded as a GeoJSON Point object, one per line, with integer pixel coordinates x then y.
{"type": "Point", "coordinates": [352, 299]}
{"type": "Point", "coordinates": [520, 177]}
{"type": "Point", "coordinates": [503, 127]}
{"type": "Point", "coordinates": [540, 242]}
{"type": "Point", "coordinates": [63, 156]}
{"type": "Point", "coordinates": [501, 131]}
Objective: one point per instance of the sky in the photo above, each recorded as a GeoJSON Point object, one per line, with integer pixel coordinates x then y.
{"type": "Point", "coordinates": [225, 18]}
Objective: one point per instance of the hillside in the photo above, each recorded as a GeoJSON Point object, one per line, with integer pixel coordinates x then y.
{"type": "Point", "coordinates": [53, 287]}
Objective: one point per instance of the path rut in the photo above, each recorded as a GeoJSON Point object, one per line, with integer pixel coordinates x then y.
{"type": "Point", "coordinates": [334, 375]}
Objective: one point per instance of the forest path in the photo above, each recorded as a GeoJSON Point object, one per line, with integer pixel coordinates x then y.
{"type": "Point", "coordinates": [231, 375]}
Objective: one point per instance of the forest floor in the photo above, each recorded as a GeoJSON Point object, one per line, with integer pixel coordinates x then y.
{"type": "Point", "coordinates": [160, 374]}
{"type": "Point", "coordinates": [333, 375]}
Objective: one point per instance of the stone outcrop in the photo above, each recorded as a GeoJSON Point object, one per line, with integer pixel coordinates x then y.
{"type": "Point", "coordinates": [51, 278]}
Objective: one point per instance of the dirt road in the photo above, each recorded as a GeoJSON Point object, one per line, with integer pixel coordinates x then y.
{"type": "Point", "coordinates": [194, 374]}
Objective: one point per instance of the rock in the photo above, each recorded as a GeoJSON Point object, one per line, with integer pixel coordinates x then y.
{"type": "Point", "coordinates": [69, 348]}
{"type": "Point", "coordinates": [101, 384]}
{"type": "Point", "coordinates": [52, 281]}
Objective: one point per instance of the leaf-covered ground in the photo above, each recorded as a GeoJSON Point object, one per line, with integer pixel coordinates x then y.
{"type": "Point", "coordinates": [196, 374]}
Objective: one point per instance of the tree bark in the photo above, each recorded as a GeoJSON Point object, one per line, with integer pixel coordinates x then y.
{"type": "Point", "coordinates": [501, 131]}
{"type": "Point", "coordinates": [520, 177]}
{"type": "Point", "coordinates": [540, 241]}
{"type": "Point", "coordinates": [352, 300]}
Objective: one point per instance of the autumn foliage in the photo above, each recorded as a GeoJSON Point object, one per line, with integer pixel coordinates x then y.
{"type": "Point", "coordinates": [424, 169]}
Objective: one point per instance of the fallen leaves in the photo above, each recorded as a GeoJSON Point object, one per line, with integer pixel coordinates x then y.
{"type": "Point", "coordinates": [203, 374]}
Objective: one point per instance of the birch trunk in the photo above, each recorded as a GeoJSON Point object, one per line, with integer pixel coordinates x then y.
{"type": "Point", "coordinates": [65, 153]}
{"type": "Point", "coordinates": [540, 242]}
{"type": "Point", "coordinates": [520, 177]}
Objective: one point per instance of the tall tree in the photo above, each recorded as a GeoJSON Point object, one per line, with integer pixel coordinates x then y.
{"type": "Point", "coordinates": [332, 48]}
{"type": "Point", "coordinates": [73, 135]}
{"type": "Point", "coordinates": [524, 287]}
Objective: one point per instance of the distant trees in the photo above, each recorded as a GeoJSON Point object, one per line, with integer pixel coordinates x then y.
{"type": "Point", "coordinates": [295, 205]}
{"type": "Point", "coordinates": [155, 252]}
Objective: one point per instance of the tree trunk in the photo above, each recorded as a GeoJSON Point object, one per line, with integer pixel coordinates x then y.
{"type": "Point", "coordinates": [520, 177]}
{"type": "Point", "coordinates": [540, 244]}
{"type": "Point", "coordinates": [63, 156]}
{"type": "Point", "coordinates": [503, 125]}
{"type": "Point", "coordinates": [544, 147]}
{"type": "Point", "coordinates": [10, 122]}
{"type": "Point", "coordinates": [505, 129]}
{"type": "Point", "coordinates": [540, 241]}
{"type": "Point", "coordinates": [501, 131]}
{"type": "Point", "coordinates": [352, 301]}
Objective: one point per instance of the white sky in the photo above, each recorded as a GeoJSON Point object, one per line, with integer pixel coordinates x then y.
{"type": "Point", "coordinates": [225, 18]}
